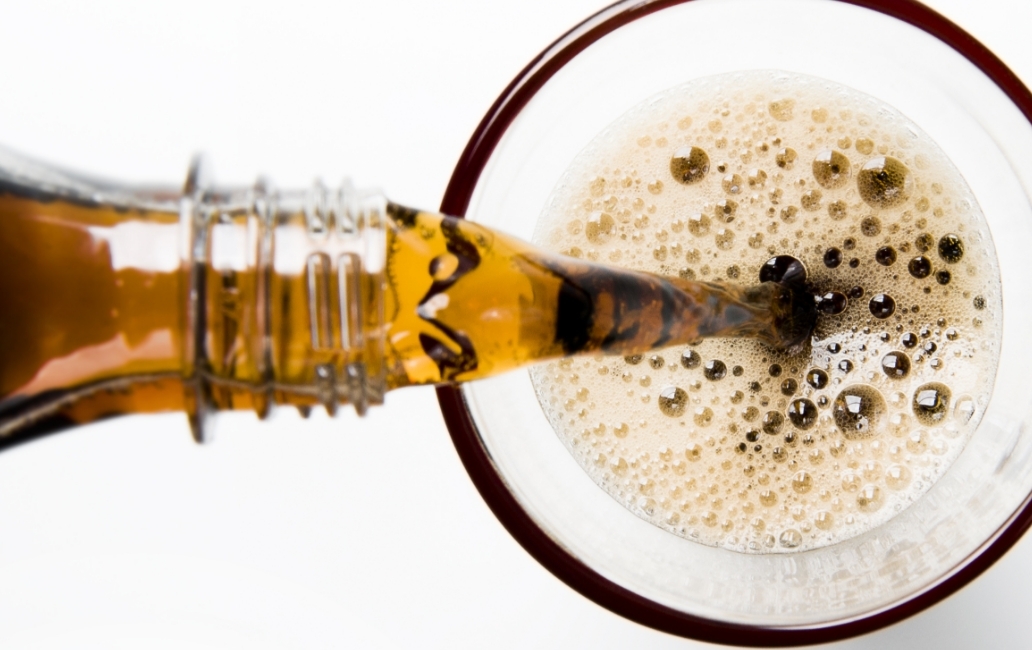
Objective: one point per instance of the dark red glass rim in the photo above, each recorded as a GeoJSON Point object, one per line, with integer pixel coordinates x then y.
{"type": "Point", "coordinates": [476, 459]}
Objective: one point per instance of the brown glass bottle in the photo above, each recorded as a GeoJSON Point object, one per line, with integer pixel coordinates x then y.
{"type": "Point", "coordinates": [118, 300]}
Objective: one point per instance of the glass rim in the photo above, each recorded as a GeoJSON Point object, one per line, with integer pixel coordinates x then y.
{"type": "Point", "coordinates": [477, 461]}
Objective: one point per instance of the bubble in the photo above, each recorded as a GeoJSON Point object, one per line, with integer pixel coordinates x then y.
{"type": "Point", "coordinates": [656, 362]}
{"type": "Point", "coordinates": [737, 371]}
{"type": "Point", "coordinates": [768, 498]}
{"type": "Point", "coordinates": [783, 268]}
{"type": "Point", "coordinates": [831, 169]}
{"type": "Point", "coordinates": [802, 413]}
{"type": "Point", "coordinates": [756, 178]}
{"type": "Point", "coordinates": [714, 370]}
{"type": "Point", "coordinates": [832, 258]}
{"type": "Point", "coordinates": [951, 248]}
{"type": "Point", "coordinates": [633, 359]}
{"type": "Point", "coordinates": [855, 293]}
{"type": "Point", "coordinates": [908, 340]}
{"type": "Point", "coordinates": [858, 410]}
{"type": "Point", "coordinates": [897, 477]}
{"type": "Point", "coordinates": [690, 359]}
{"type": "Point", "coordinates": [883, 182]}
{"type": "Point", "coordinates": [924, 242]}
{"type": "Point", "coordinates": [689, 165]}
{"type": "Point", "coordinates": [732, 184]}
{"type": "Point", "coordinates": [895, 365]}
{"type": "Point", "coordinates": [817, 378]}
{"type": "Point", "coordinates": [845, 365]}
{"type": "Point", "coordinates": [789, 213]}
{"type": "Point", "coordinates": [802, 482]}
{"type": "Point", "coordinates": [724, 239]}
{"type": "Point", "coordinates": [785, 158]}
{"type": "Point", "coordinates": [790, 538]}
{"type": "Point", "coordinates": [832, 303]}
{"type": "Point", "coordinates": [789, 387]}
{"type": "Point", "coordinates": [693, 452]}
{"type": "Point", "coordinates": [725, 210]}
{"type": "Point", "coordinates": [772, 422]}
{"type": "Point", "coordinates": [781, 109]}
{"type": "Point", "coordinates": [943, 277]}
{"type": "Point", "coordinates": [964, 410]}
{"type": "Point", "coordinates": [882, 305]}
{"type": "Point", "coordinates": [870, 226]}
{"type": "Point", "coordinates": [672, 401]}
{"type": "Point", "coordinates": [774, 370]}
{"type": "Point", "coordinates": [599, 228]}
{"type": "Point", "coordinates": [811, 200]}
{"type": "Point", "coordinates": [886, 256]}
{"type": "Point", "coordinates": [870, 498]}
{"type": "Point", "coordinates": [823, 519]}
{"type": "Point", "coordinates": [703, 416]}
{"type": "Point", "coordinates": [837, 210]}
{"type": "Point", "coordinates": [698, 224]}
{"type": "Point", "coordinates": [931, 402]}
{"type": "Point", "coordinates": [978, 302]}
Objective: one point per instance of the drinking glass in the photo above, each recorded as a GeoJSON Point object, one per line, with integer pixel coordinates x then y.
{"type": "Point", "coordinates": [900, 52]}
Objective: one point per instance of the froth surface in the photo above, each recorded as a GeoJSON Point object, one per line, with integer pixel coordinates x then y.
{"type": "Point", "coordinates": [728, 442]}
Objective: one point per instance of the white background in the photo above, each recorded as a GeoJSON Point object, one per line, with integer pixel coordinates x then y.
{"type": "Point", "coordinates": [341, 533]}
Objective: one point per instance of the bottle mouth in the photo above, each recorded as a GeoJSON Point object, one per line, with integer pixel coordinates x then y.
{"type": "Point", "coordinates": [489, 462]}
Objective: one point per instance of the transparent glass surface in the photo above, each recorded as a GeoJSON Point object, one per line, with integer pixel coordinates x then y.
{"type": "Point", "coordinates": [990, 142]}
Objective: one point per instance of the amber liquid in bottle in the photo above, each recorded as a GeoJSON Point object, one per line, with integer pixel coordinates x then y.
{"type": "Point", "coordinates": [107, 310]}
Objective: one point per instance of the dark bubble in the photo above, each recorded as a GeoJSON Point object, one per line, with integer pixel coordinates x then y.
{"type": "Point", "coordinates": [882, 305]}
{"type": "Point", "coordinates": [831, 169]}
{"type": "Point", "coordinates": [886, 256]}
{"type": "Point", "coordinates": [656, 361]}
{"type": "Point", "coordinates": [870, 226]}
{"type": "Point", "coordinates": [789, 386]}
{"type": "Point", "coordinates": [978, 302]}
{"type": "Point", "coordinates": [845, 366]}
{"type": "Point", "coordinates": [741, 448]}
{"type": "Point", "coordinates": [783, 268]}
{"type": "Point", "coordinates": [883, 182]}
{"type": "Point", "coordinates": [633, 359]}
{"type": "Point", "coordinates": [772, 422]}
{"type": "Point", "coordinates": [689, 165]}
{"type": "Point", "coordinates": [853, 263]}
{"type": "Point", "coordinates": [774, 370]}
{"type": "Point", "coordinates": [754, 386]}
{"type": "Point", "coordinates": [752, 435]}
{"type": "Point", "coordinates": [832, 303]}
{"type": "Point", "coordinates": [817, 378]}
{"type": "Point", "coordinates": [920, 267]}
{"type": "Point", "coordinates": [672, 401]}
{"type": "Point", "coordinates": [714, 370]}
{"type": "Point", "coordinates": [858, 410]}
{"type": "Point", "coordinates": [951, 249]}
{"type": "Point", "coordinates": [849, 243]}
{"type": "Point", "coordinates": [931, 403]}
{"type": "Point", "coordinates": [690, 359]}
{"type": "Point", "coordinates": [908, 340]}
{"type": "Point", "coordinates": [930, 347]}
{"type": "Point", "coordinates": [895, 365]}
{"type": "Point", "coordinates": [856, 292]}
{"type": "Point", "coordinates": [924, 242]}
{"type": "Point", "coordinates": [943, 277]}
{"type": "Point", "coordinates": [802, 413]}
{"type": "Point", "coordinates": [737, 371]}
{"type": "Point", "coordinates": [834, 348]}
{"type": "Point", "coordinates": [832, 258]}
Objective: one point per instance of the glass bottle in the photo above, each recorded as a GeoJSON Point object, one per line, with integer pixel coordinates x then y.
{"type": "Point", "coordinates": [131, 300]}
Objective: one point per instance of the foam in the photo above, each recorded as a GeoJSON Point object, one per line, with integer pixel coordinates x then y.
{"type": "Point", "coordinates": [680, 449]}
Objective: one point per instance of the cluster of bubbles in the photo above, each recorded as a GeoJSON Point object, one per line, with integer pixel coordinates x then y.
{"type": "Point", "coordinates": [761, 176]}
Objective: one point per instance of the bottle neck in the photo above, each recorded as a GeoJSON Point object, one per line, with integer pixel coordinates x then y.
{"type": "Point", "coordinates": [284, 297]}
